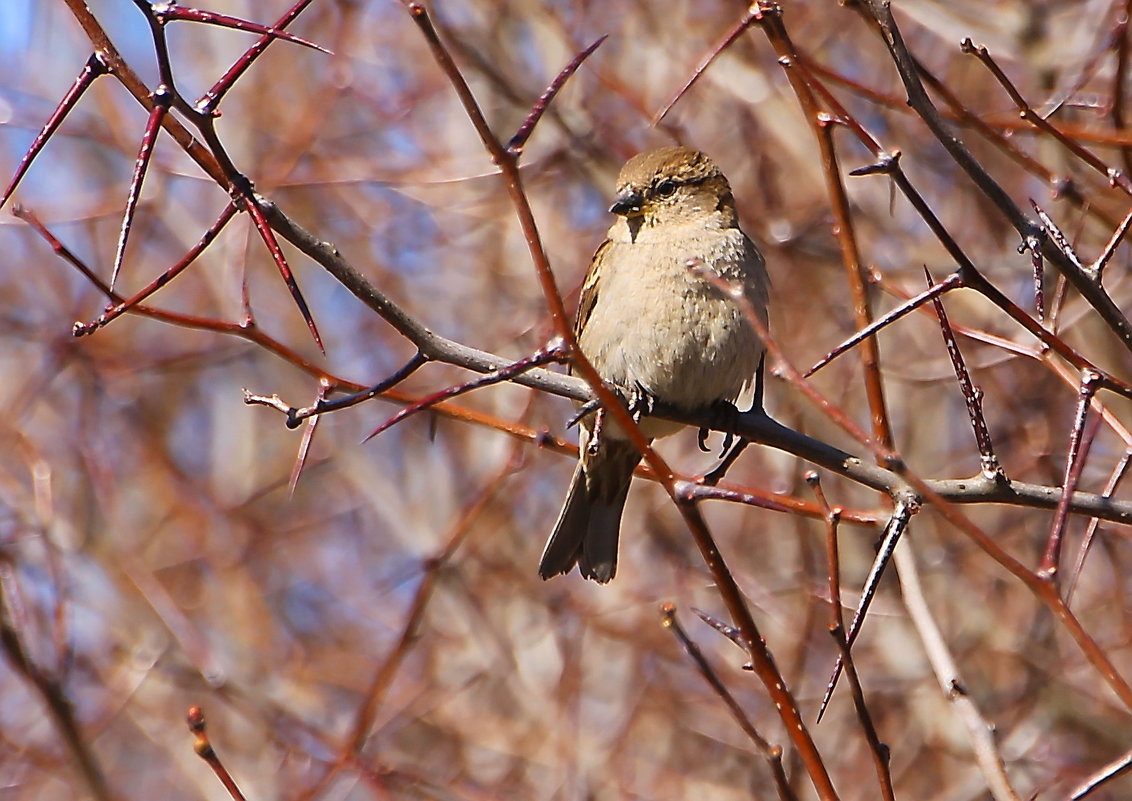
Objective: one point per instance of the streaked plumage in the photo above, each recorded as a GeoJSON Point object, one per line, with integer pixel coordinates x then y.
{"type": "Point", "coordinates": [654, 330]}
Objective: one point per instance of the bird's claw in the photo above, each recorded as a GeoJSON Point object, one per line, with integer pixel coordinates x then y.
{"type": "Point", "coordinates": [640, 402]}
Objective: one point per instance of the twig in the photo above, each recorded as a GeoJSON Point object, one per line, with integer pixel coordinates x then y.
{"type": "Point", "coordinates": [53, 695]}
{"type": "Point", "coordinates": [553, 351]}
{"type": "Point", "coordinates": [519, 140]}
{"type": "Point", "coordinates": [1080, 439]}
{"type": "Point", "coordinates": [972, 395]}
{"type": "Point", "coordinates": [203, 747]}
{"type": "Point", "coordinates": [1114, 480]}
{"type": "Point", "coordinates": [980, 734]}
{"type": "Point", "coordinates": [881, 11]}
{"type": "Point", "coordinates": [946, 285]}
{"type": "Point", "coordinates": [897, 525]}
{"type": "Point", "coordinates": [771, 753]}
{"type": "Point", "coordinates": [880, 751]}
{"type": "Point", "coordinates": [94, 68]}
{"type": "Point", "coordinates": [1115, 768]}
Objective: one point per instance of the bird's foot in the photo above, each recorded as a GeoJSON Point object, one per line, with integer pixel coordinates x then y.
{"type": "Point", "coordinates": [639, 401]}
{"type": "Point", "coordinates": [724, 416]}
{"type": "Point", "coordinates": [727, 459]}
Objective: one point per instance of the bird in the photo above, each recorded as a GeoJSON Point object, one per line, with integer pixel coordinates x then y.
{"type": "Point", "coordinates": [656, 332]}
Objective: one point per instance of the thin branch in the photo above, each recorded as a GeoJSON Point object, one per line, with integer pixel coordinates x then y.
{"type": "Point", "coordinates": [880, 751]}
{"type": "Point", "coordinates": [553, 351]}
{"type": "Point", "coordinates": [772, 754]}
{"type": "Point", "coordinates": [210, 100]}
{"type": "Point", "coordinates": [1029, 231]}
{"type": "Point", "coordinates": [243, 331]}
{"type": "Point", "coordinates": [162, 99]}
{"type": "Point", "coordinates": [855, 273]}
{"type": "Point", "coordinates": [1079, 442]}
{"type": "Point", "coordinates": [202, 745]}
{"type": "Point", "coordinates": [1114, 176]}
{"type": "Point", "coordinates": [897, 525]}
{"type": "Point", "coordinates": [519, 140]}
{"type": "Point", "coordinates": [116, 65]}
{"type": "Point", "coordinates": [1096, 269]}
{"type": "Point", "coordinates": [946, 285]}
{"type": "Point", "coordinates": [169, 12]}
{"type": "Point", "coordinates": [979, 733]}
{"type": "Point", "coordinates": [114, 311]}
{"type": "Point", "coordinates": [51, 693]}
{"type": "Point", "coordinates": [252, 207]}
{"type": "Point", "coordinates": [1090, 532]}
{"type": "Point", "coordinates": [1115, 768]}
{"type": "Point", "coordinates": [706, 61]}
{"type": "Point", "coordinates": [94, 68]}
{"type": "Point", "coordinates": [432, 571]}
{"type": "Point", "coordinates": [295, 415]}
{"type": "Point", "coordinates": [972, 278]}
{"type": "Point", "coordinates": [972, 395]}
{"type": "Point", "coordinates": [309, 432]}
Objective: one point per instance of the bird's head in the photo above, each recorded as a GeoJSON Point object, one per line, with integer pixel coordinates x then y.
{"type": "Point", "coordinates": [672, 186]}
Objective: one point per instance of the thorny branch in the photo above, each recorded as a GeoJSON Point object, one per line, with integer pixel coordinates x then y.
{"type": "Point", "coordinates": [890, 477]}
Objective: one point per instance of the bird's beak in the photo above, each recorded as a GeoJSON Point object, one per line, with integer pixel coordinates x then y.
{"type": "Point", "coordinates": [628, 204]}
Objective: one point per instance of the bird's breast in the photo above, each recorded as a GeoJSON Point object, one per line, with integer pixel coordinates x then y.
{"type": "Point", "coordinates": [661, 328]}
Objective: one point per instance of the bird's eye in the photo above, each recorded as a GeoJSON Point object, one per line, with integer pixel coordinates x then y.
{"type": "Point", "coordinates": [666, 188]}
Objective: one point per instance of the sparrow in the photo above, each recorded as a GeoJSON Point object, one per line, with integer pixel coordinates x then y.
{"type": "Point", "coordinates": [656, 332]}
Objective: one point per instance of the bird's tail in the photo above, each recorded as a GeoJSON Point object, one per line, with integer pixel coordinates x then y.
{"type": "Point", "coordinates": [588, 526]}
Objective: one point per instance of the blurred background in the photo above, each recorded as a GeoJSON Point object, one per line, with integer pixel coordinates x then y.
{"type": "Point", "coordinates": [153, 558]}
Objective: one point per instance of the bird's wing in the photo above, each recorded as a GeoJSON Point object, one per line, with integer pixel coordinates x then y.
{"type": "Point", "coordinates": [588, 297]}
